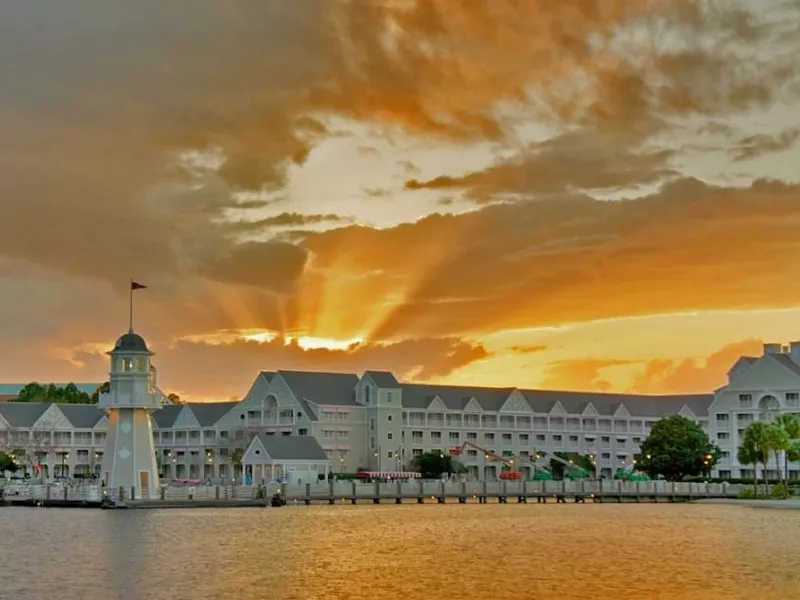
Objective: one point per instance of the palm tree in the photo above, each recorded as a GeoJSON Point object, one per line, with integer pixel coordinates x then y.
{"type": "Point", "coordinates": [791, 425]}
{"type": "Point", "coordinates": [757, 439]}
{"type": "Point", "coordinates": [778, 442]}
{"type": "Point", "coordinates": [749, 455]}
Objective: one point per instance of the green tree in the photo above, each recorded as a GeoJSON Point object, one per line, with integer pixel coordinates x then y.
{"type": "Point", "coordinates": [432, 465]}
{"type": "Point", "coordinates": [7, 463]}
{"type": "Point", "coordinates": [69, 394]}
{"type": "Point", "coordinates": [174, 398]}
{"type": "Point", "coordinates": [677, 447]}
{"type": "Point", "coordinates": [103, 389]}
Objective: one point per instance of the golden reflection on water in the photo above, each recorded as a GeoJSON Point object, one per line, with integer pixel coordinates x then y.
{"type": "Point", "coordinates": [409, 552]}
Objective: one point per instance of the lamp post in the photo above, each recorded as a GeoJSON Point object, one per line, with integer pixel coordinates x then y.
{"type": "Point", "coordinates": [64, 456]}
{"type": "Point", "coordinates": [210, 463]}
{"type": "Point", "coordinates": [379, 459]}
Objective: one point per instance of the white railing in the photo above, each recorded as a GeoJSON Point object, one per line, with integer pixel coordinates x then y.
{"type": "Point", "coordinates": [347, 490]}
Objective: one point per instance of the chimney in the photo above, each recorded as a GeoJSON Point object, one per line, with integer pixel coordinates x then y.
{"type": "Point", "coordinates": [794, 351]}
{"type": "Point", "coordinates": [773, 349]}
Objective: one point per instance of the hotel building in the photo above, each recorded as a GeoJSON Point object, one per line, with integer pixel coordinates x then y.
{"type": "Point", "coordinates": [377, 423]}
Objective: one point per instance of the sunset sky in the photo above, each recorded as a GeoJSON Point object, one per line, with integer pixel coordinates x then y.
{"type": "Point", "coordinates": [569, 194]}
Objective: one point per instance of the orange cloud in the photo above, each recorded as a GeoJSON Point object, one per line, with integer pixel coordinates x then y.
{"type": "Point", "coordinates": [580, 375]}
{"type": "Point", "coordinates": [160, 144]}
{"type": "Point", "coordinates": [688, 247]}
{"type": "Point", "coordinates": [659, 376]}
{"type": "Point", "coordinates": [693, 375]}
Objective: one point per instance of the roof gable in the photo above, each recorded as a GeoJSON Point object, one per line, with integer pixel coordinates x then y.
{"type": "Point", "coordinates": [590, 411]}
{"type": "Point", "coordinates": [289, 447]}
{"type": "Point", "coordinates": [102, 423]}
{"type": "Point", "coordinates": [472, 406]}
{"type": "Point", "coordinates": [516, 403]}
{"type": "Point", "coordinates": [557, 409]}
{"type": "Point", "coordinates": [185, 418]}
{"type": "Point", "coordinates": [687, 412]}
{"type": "Point", "coordinates": [52, 418]}
{"type": "Point", "coordinates": [437, 403]}
{"type": "Point", "coordinates": [255, 451]}
{"type": "Point", "coordinates": [777, 371]}
{"type": "Point", "coordinates": [622, 412]}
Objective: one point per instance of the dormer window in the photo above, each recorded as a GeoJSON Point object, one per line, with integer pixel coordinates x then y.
{"type": "Point", "coordinates": [366, 394]}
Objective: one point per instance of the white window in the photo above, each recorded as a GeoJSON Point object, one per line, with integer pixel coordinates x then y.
{"type": "Point", "coordinates": [389, 436]}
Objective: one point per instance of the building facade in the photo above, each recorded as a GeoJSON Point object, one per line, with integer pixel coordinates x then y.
{"type": "Point", "coordinates": [759, 388]}
{"type": "Point", "coordinates": [371, 422]}
{"type": "Point", "coordinates": [377, 423]}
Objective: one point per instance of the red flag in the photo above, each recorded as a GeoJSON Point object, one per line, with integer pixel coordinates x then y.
{"type": "Point", "coordinates": [137, 286]}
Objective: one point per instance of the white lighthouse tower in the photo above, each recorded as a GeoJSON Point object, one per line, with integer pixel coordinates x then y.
{"type": "Point", "coordinates": [129, 459]}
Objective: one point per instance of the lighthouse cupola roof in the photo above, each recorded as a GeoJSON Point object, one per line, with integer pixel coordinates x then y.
{"type": "Point", "coordinates": [131, 342]}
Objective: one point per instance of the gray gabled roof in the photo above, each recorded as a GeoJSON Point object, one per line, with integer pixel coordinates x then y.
{"type": "Point", "coordinates": [165, 417]}
{"type": "Point", "coordinates": [23, 414]}
{"type": "Point", "coordinates": [82, 416]}
{"type": "Point", "coordinates": [336, 389]}
{"type": "Point", "coordinates": [384, 379]}
{"type": "Point", "coordinates": [208, 413]}
{"type": "Point", "coordinates": [639, 405]}
{"type": "Point", "coordinates": [786, 361]}
{"type": "Point", "coordinates": [419, 396]}
{"type": "Point", "coordinates": [292, 447]}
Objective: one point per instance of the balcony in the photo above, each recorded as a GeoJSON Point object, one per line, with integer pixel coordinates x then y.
{"type": "Point", "coordinates": [151, 401]}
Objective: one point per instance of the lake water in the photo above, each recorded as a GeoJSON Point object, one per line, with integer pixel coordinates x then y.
{"type": "Point", "coordinates": [409, 552]}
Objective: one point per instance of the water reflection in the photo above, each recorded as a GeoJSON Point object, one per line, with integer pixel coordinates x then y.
{"type": "Point", "coordinates": [519, 552]}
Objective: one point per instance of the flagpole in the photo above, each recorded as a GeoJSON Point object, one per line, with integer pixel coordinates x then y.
{"type": "Point", "coordinates": [130, 307]}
